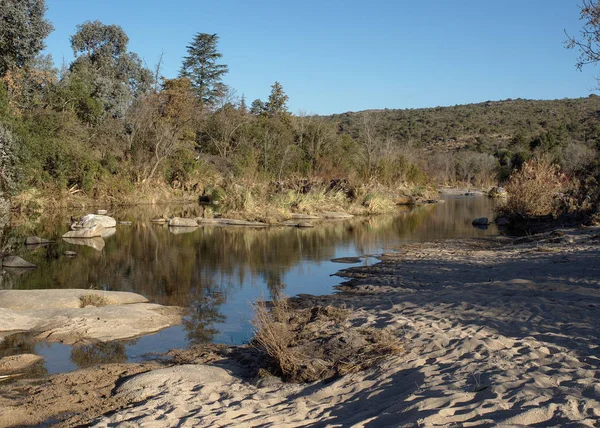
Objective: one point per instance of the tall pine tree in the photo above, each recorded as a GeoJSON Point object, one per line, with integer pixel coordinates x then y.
{"type": "Point", "coordinates": [201, 68]}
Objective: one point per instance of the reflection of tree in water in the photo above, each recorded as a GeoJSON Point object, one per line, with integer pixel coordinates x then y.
{"type": "Point", "coordinates": [203, 315]}
{"type": "Point", "coordinates": [274, 283]}
{"type": "Point", "coordinates": [98, 353]}
{"type": "Point", "coordinates": [147, 259]}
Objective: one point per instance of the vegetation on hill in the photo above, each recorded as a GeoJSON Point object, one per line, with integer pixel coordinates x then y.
{"type": "Point", "coordinates": [106, 127]}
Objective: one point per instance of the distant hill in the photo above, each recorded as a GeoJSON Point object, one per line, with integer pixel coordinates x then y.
{"type": "Point", "coordinates": [485, 127]}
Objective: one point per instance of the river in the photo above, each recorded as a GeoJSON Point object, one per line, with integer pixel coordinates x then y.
{"type": "Point", "coordinates": [215, 272]}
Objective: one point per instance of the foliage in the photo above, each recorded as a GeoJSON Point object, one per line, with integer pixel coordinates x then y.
{"type": "Point", "coordinates": [201, 68]}
{"type": "Point", "coordinates": [8, 161]}
{"type": "Point", "coordinates": [102, 62]}
{"type": "Point", "coordinates": [534, 188]}
{"type": "Point", "coordinates": [23, 29]}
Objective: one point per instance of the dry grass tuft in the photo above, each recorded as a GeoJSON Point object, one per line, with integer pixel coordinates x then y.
{"type": "Point", "coordinates": [306, 345]}
{"type": "Point", "coordinates": [93, 299]}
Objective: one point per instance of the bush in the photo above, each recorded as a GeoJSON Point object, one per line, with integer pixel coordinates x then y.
{"type": "Point", "coordinates": [533, 188]}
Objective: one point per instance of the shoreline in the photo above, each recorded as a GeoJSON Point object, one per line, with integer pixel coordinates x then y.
{"type": "Point", "coordinates": [497, 330]}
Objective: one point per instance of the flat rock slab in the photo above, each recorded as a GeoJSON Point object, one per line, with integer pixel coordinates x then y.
{"type": "Point", "coordinates": [159, 220]}
{"type": "Point", "coordinates": [16, 262]}
{"type": "Point", "coordinates": [90, 324]}
{"type": "Point", "coordinates": [184, 377]}
{"type": "Point", "coordinates": [18, 363]}
{"type": "Point", "coordinates": [336, 215]}
{"type": "Point", "coordinates": [300, 216]}
{"type": "Point", "coordinates": [346, 260]}
{"type": "Point", "coordinates": [231, 222]}
{"type": "Point", "coordinates": [36, 240]}
{"type": "Point", "coordinates": [183, 222]}
{"type": "Point", "coordinates": [57, 299]}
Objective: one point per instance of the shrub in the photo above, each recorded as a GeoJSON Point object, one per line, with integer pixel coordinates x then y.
{"type": "Point", "coordinates": [532, 189]}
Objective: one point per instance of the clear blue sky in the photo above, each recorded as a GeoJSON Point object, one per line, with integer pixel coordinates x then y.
{"type": "Point", "coordinates": [337, 56]}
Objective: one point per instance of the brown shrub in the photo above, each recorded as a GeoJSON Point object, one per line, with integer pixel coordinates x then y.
{"type": "Point", "coordinates": [533, 188]}
{"type": "Point", "coordinates": [306, 345]}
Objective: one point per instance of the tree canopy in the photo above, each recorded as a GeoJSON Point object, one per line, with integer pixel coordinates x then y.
{"type": "Point", "coordinates": [23, 29]}
{"type": "Point", "coordinates": [201, 68]}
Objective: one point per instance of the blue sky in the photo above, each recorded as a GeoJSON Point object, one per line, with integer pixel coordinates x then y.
{"type": "Point", "coordinates": [336, 56]}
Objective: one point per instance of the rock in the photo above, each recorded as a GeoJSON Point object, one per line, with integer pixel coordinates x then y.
{"type": "Point", "coordinates": [16, 262]}
{"type": "Point", "coordinates": [183, 222]}
{"type": "Point", "coordinates": [92, 220]}
{"type": "Point", "coordinates": [346, 260]}
{"type": "Point", "coordinates": [305, 225]}
{"type": "Point", "coordinates": [18, 363]}
{"type": "Point", "coordinates": [336, 215]}
{"type": "Point", "coordinates": [182, 377]}
{"type": "Point", "coordinates": [300, 216]}
{"type": "Point", "coordinates": [36, 240]}
{"type": "Point", "coordinates": [61, 298]}
{"type": "Point", "coordinates": [101, 212]}
{"type": "Point", "coordinates": [502, 221]}
{"type": "Point", "coordinates": [498, 192]}
{"type": "Point", "coordinates": [88, 232]}
{"type": "Point", "coordinates": [482, 221]}
{"type": "Point", "coordinates": [125, 222]}
{"type": "Point", "coordinates": [404, 200]}
{"type": "Point", "coordinates": [96, 243]}
{"type": "Point", "coordinates": [289, 223]}
{"type": "Point", "coordinates": [232, 222]}
{"type": "Point", "coordinates": [159, 220]}
{"type": "Point", "coordinates": [70, 253]}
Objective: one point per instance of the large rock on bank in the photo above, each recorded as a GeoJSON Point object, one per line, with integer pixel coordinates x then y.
{"type": "Point", "coordinates": [56, 315]}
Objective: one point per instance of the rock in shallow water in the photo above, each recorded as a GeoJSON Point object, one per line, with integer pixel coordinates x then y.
{"type": "Point", "coordinates": [16, 262]}
{"type": "Point", "coordinates": [92, 220]}
{"type": "Point", "coordinates": [36, 240]}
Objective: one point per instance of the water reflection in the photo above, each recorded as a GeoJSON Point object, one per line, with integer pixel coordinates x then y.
{"type": "Point", "coordinates": [215, 271]}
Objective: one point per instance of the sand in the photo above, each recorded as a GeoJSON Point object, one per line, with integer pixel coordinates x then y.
{"type": "Point", "coordinates": [497, 332]}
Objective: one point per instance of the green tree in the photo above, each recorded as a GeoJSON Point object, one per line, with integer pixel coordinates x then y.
{"type": "Point", "coordinates": [115, 76]}
{"type": "Point", "coordinates": [201, 68]}
{"type": "Point", "coordinates": [23, 29]}
{"type": "Point", "coordinates": [257, 107]}
{"type": "Point", "coordinates": [277, 102]}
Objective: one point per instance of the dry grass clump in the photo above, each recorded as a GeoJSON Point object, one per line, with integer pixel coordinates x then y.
{"type": "Point", "coordinates": [93, 299]}
{"type": "Point", "coordinates": [533, 188]}
{"type": "Point", "coordinates": [306, 345]}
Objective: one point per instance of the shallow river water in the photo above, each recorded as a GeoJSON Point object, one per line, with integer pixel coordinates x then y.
{"type": "Point", "coordinates": [215, 272]}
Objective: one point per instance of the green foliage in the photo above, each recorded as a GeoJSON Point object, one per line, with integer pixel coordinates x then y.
{"type": "Point", "coordinates": [23, 29]}
{"type": "Point", "coordinates": [201, 68]}
{"type": "Point", "coordinates": [277, 102]}
{"type": "Point", "coordinates": [105, 70]}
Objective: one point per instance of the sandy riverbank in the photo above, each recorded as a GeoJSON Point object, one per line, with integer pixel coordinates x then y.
{"type": "Point", "coordinates": [497, 331]}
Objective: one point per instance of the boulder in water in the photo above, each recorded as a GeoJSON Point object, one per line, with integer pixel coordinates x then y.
{"type": "Point", "coordinates": [16, 262]}
{"type": "Point", "coordinates": [183, 222]}
{"type": "Point", "coordinates": [36, 240]}
{"type": "Point", "coordinates": [482, 221]}
{"type": "Point", "coordinates": [92, 220]}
